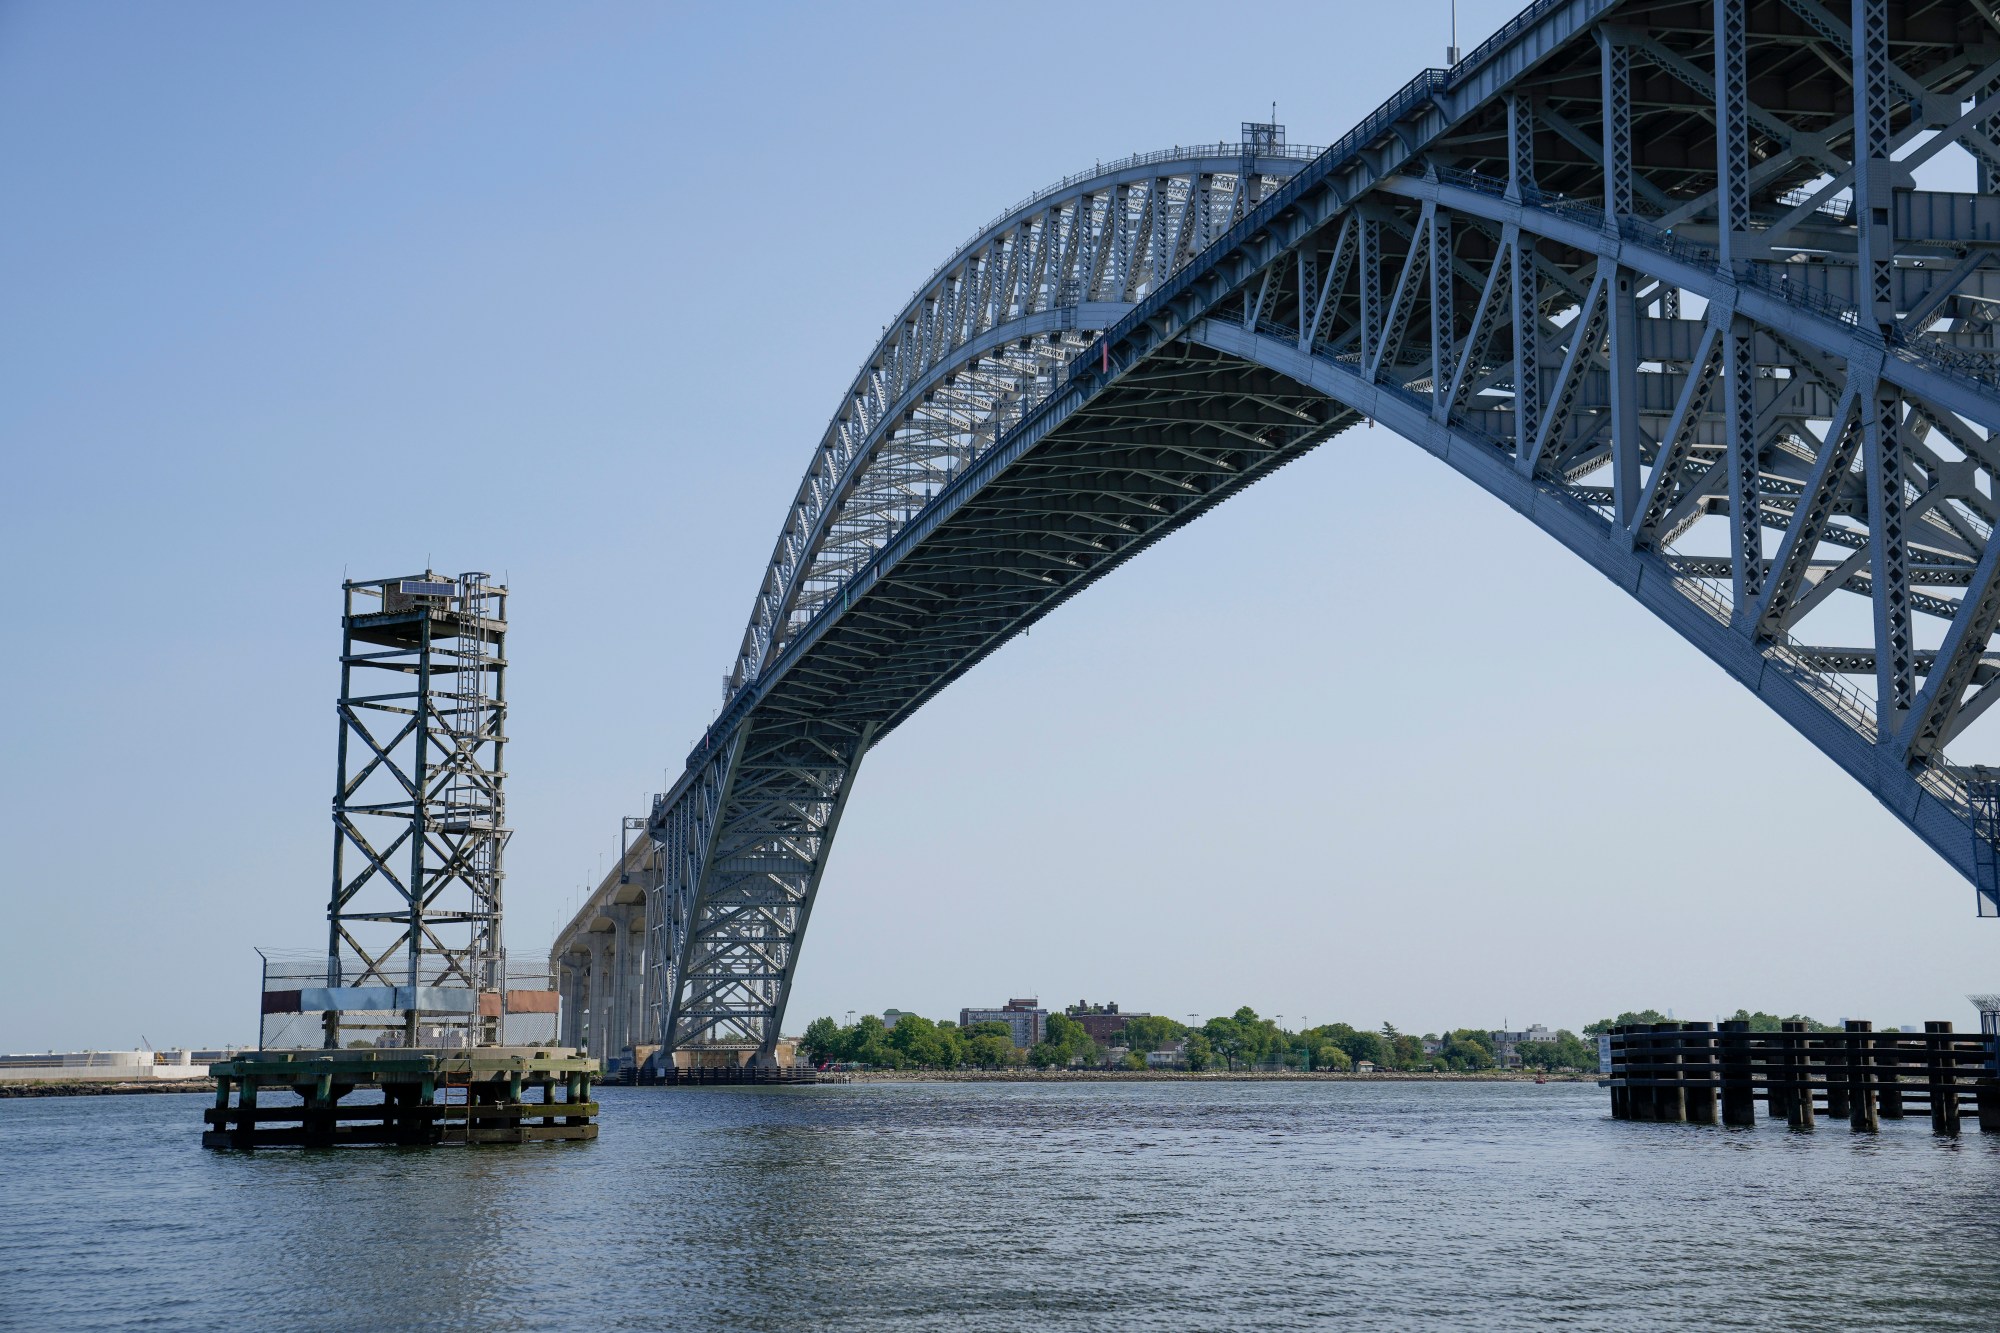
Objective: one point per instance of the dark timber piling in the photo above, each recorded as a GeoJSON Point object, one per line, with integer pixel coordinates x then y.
{"type": "Point", "coordinates": [1739, 1103]}
{"type": "Point", "coordinates": [1989, 1106]}
{"type": "Point", "coordinates": [1697, 1073]}
{"type": "Point", "coordinates": [1889, 1067]}
{"type": "Point", "coordinates": [1938, 1081]}
{"type": "Point", "coordinates": [1832, 1051]}
{"type": "Point", "coordinates": [1799, 1110]}
{"type": "Point", "coordinates": [1669, 1101]}
{"type": "Point", "coordinates": [1861, 1111]}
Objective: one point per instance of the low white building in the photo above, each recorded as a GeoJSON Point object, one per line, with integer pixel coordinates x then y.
{"type": "Point", "coordinates": [106, 1066]}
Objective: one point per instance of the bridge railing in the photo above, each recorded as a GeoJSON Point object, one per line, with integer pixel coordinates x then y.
{"type": "Point", "coordinates": [1505, 35]}
{"type": "Point", "coordinates": [1400, 103]}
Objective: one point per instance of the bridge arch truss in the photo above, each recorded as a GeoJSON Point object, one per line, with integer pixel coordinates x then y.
{"type": "Point", "coordinates": [1656, 275]}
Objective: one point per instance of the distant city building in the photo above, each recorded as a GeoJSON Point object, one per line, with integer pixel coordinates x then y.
{"type": "Point", "coordinates": [891, 1016]}
{"type": "Point", "coordinates": [1026, 1018]}
{"type": "Point", "coordinates": [1504, 1043]}
{"type": "Point", "coordinates": [1170, 1056]}
{"type": "Point", "coordinates": [1101, 1021]}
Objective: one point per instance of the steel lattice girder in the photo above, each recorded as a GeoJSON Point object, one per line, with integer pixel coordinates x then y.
{"type": "Point", "coordinates": [1768, 327]}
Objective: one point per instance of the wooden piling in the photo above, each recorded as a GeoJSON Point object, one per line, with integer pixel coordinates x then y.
{"type": "Point", "coordinates": [1798, 1075]}
{"type": "Point", "coordinates": [1889, 1075]}
{"type": "Point", "coordinates": [1621, 1093]}
{"type": "Point", "coordinates": [1862, 1114]}
{"type": "Point", "coordinates": [1638, 1047]}
{"type": "Point", "coordinates": [1831, 1052]}
{"type": "Point", "coordinates": [1942, 1076]}
{"type": "Point", "coordinates": [1669, 1098]}
{"type": "Point", "coordinates": [1739, 1106]}
{"type": "Point", "coordinates": [1986, 1093]}
{"type": "Point", "coordinates": [1699, 1072]}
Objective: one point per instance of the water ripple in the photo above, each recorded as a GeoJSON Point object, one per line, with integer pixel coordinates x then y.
{"type": "Point", "coordinates": [1006, 1206]}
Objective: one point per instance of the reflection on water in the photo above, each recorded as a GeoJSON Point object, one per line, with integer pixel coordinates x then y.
{"type": "Point", "coordinates": [935, 1206]}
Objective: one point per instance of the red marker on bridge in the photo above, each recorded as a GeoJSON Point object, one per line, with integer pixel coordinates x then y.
{"type": "Point", "coordinates": [1105, 345]}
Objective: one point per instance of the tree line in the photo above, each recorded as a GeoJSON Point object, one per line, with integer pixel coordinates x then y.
{"type": "Point", "coordinates": [1759, 1021]}
{"type": "Point", "coordinates": [1242, 1040]}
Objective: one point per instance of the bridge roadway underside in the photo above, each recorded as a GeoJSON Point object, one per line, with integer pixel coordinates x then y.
{"type": "Point", "coordinates": [1655, 275]}
{"type": "Point", "coordinates": [1167, 442]}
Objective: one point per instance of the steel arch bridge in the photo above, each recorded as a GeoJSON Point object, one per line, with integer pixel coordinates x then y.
{"type": "Point", "coordinates": [1656, 274]}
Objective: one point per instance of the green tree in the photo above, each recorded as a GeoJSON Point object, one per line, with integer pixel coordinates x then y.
{"type": "Point", "coordinates": [1326, 1055]}
{"type": "Point", "coordinates": [1763, 1022]}
{"type": "Point", "coordinates": [1365, 1046]}
{"type": "Point", "coordinates": [1604, 1025]}
{"type": "Point", "coordinates": [1200, 1054]}
{"type": "Point", "coordinates": [868, 1044]}
{"type": "Point", "coordinates": [989, 1050]}
{"type": "Point", "coordinates": [1466, 1050]}
{"type": "Point", "coordinates": [1151, 1031]}
{"type": "Point", "coordinates": [1244, 1038]}
{"type": "Point", "coordinates": [1048, 1055]}
{"type": "Point", "coordinates": [918, 1043]}
{"type": "Point", "coordinates": [1225, 1040]}
{"type": "Point", "coordinates": [1067, 1043]}
{"type": "Point", "coordinates": [1406, 1051]}
{"type": "Point", "coordinates": [1564, 1051]}
{"type": "Point", "coordinates": [822, 1042]}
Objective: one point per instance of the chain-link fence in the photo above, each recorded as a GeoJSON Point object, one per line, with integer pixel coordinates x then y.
{"type": "Point", "coordinates": [372, 1005]}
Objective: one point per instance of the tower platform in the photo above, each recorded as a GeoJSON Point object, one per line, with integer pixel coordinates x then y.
{"type": "Point", "coordinates": [402, 1095]}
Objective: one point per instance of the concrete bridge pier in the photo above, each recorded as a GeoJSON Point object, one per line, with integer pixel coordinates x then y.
{"type": "Point", "coordinates": [598, 1019]}
{"type": "Point", "coordinates": [572, 976]}
{"type": "Point", "coordinates": [621, 1005]}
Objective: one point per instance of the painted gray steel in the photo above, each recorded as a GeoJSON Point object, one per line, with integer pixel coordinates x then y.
{"type": "Point", "coordinates": [1656, 276]}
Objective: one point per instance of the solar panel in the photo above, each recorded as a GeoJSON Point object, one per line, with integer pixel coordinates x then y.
{"type": "Point", "coordinates": [424, 588]}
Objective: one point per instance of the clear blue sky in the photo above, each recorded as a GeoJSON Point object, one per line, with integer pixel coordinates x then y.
{"type": "Point", "coordinates": [569, 293]}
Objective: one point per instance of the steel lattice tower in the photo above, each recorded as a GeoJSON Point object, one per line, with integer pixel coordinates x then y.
{"type": "Point", "coordinates": [419, 816]}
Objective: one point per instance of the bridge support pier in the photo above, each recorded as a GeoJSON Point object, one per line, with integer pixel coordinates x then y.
{"type": "Point", "coordinates": [598, 1030]}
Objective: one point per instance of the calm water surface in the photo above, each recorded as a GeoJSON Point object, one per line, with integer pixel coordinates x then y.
{"type": "Point", "coordinates": [1010, 1206]}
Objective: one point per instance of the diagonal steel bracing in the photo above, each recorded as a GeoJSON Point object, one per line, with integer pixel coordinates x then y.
{"type": "Point", "coordinates": [1656, 275]}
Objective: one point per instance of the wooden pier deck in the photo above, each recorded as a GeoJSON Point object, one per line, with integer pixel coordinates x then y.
{"type": "Point", "coordinates": [481, 1095]}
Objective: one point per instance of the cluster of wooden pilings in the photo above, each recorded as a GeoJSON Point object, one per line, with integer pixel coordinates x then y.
{"type": "Point", "coordinates": [1709, 1073]}
{"type": "Point", "coordinates": [491, 1094]}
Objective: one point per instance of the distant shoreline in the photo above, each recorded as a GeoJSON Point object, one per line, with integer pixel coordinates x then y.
{"type": "Point", "coordinates": [59, 1088]}
{"type": "Point", "coordinates": [1185, 1076]}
